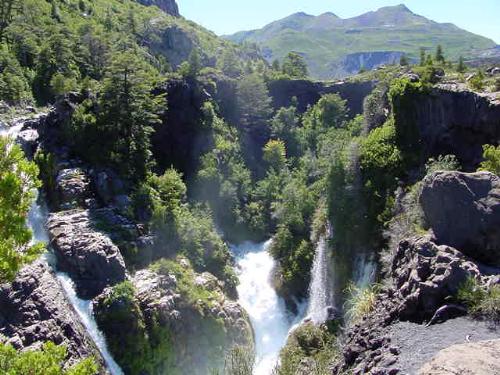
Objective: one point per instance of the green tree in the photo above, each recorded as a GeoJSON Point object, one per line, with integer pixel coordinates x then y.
{"type": "Point", "coordinates": [276, 65]}
{"type": "Point", "coordinates": [439, 55]}
{"type": "Point", "coordinates": [18, 180]}
{"type": "Point", "coordinates": [275, 154]}
{"type": "Point", "coordinates": [295, 66]}
{"type": "Point", "coordinates": [422, 57]}
{"type": "Point", "coordinates": [284, 126]}
{"type": "Point", "coordinates": [491, 161]}
{"type": "Point", "coordinates": [461, 67]}
{"type": "Point", "coordinates": [194, 63]}
{"type": "Point", "coordinates": [403, 61]}
{"type": "Point", "coordinates": [7, 10]}
{"type": "Point", "coordinates": [48, 360]}
{"type": "Point", "coordinates": [253, 99]}
{"type": "Point", "coordinates": [230, 64]}
{"type": "Point", "coordinates": [128, 112]}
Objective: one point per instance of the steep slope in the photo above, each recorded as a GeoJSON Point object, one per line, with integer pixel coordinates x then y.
{"type": "Point", "coordinates": [335, 47]}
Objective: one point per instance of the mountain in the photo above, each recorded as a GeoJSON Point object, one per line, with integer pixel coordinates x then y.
{"type": "Point", "coordinates": [336, 47]}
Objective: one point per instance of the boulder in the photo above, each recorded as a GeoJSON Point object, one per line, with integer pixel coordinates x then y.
{"type": "Point", "coordinates": [424, 274]}
{"type": "Point", "coordinates": [480, 358]}
{"type": "Point", "coordinates": [73, 187]}
{"type": "Point", "coordinates": [463, 210]}
{"type": "Point", "coordinates": [89, 256]}
{"type": "Point", "coordinates": [35, 310]}
{"type": "Point", "coordinates": [28, 140]}
{"type": "Point", "coordinates": [199, 323]}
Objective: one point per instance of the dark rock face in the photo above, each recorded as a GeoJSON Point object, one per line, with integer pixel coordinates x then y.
{"type": "Point", "coordinates": [168, 6]}
{"type": "Point", "coordinates": [34, 310]}
{"type": "Point", "coordinates": [450, 120]}
{"type": "Point", "coordinates": [180, 140]}
{"type": "Point", "coordinates": [89, 256]}
{"type": "Point", "coordinates": [464, 212]}
{"type": "Point", "coordinates": [308, 93]}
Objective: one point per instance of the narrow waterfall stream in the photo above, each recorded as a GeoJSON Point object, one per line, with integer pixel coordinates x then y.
{"type": "Point", "coordinates": [36, 221]}
{"type": "Point", "coordinates": [268, 314]}
{"type": "Point", "coordinates": [320, 297]}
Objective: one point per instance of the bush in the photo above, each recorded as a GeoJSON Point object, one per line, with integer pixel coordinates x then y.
{"type": "Point", "coordinates": [309, 341]}
{"type": "Point", "coordinates": [361, 301]}
{"type": "Point", "coordinates": [48, 360]}
{"type": "Point", "coordinates": [477, 81]}
{"type": "Point", "coordinates": [442, 163]}
{"type": "Point", "coordinates": [491, 161]}
{"type": "Point", "coordinates": [480, 301]}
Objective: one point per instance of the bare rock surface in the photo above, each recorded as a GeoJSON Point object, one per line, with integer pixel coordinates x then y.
{"type": "Point", "coordinates": [463, 210]}
{"type": "Point", "coordinates": [482, 358]}
{"type": "Point", "coordinates": [89, 256]}
{"type": "Point", "coordinates": [34, 310]}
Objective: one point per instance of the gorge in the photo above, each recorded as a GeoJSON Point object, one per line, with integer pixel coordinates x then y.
{"type": "Point", "coordinates": [172, 203]}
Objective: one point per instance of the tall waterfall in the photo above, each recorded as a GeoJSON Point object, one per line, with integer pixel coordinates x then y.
{"type": "Point", "coordinates": [320, 291]}
{"type": "Point", "coordinates": [267, 311]}
{"type": "Point", "coordinates": [36, 221]}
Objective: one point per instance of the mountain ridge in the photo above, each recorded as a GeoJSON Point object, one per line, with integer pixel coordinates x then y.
{"type": "Point", "coordinates": [327, 40]}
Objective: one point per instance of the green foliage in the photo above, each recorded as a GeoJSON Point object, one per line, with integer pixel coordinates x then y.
{"type": "Point", "coordinates": [239, 361]}
{"type": "Point", "coordinates": [254, 102]}
{"type": "Point", "coordinates": [403, 61]}
{"type": "Point", "coordinates": [138, 348]}
{"type": "Point", "coordinates": [274, 154]}
{"type": "Point", "coordinates": [47, 361]}
{"type": "Point", "coordinates": [295, 66]}
{"type": "Point", "coordinates": [497, 84]}
{"type": "Point", "coordinates": [309, 341]}
{"type": "Point", "coordinates": [442, 163]}
{"type": "Point", "coordinates": [439, 55]}
{"type": "Point", "coordinates": [361, 301]}
{"type": "Point", "coordinates": [461, 67]}
{"type": "Point", "coordinates": [477, 81]}
{"type": "Point", "coordinates": [14, 80]}
{"type": "Point", "coordinates": [18, 180]}
{"type": "Point", "coordinates": [284, 126]}
{"type": "Point", "coordinates": [480, 300]}
{"type": "Point", "coordinates": [491, 161]}
{"type": "Point", "coordinates": [229, 64]}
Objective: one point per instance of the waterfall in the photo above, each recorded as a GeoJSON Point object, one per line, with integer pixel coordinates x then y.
{"type": "Point", "coordinates": [37, 218]}
{"type": "Point", "coordinates": [320, 296]}
{"type": "Point", "coordinates": [267, 311]}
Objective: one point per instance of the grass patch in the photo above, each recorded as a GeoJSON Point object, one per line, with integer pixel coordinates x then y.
{"type": "Point", "coordinates": [480, 301]}
{"type": "Point", "coordinates": [361, 302]}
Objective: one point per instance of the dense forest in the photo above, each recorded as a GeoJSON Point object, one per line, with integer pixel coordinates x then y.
{"type": "Point", "coordinates": [171, 144]}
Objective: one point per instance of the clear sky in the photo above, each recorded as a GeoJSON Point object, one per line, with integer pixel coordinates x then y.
{"type": "Point", "coordinates": [228, 16]}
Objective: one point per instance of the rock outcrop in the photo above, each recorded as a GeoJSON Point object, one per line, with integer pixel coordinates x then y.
{"type": "Point", "coordinates": [463, 211]}
{"type": "Point", "coordinates": [34, 310]}
{"type": "Point", "coordinates": [422, 278]}
{"type": "Point", "coordinates": [198, 324]}
{"type": "Point", "coordinates": [168, 6]}
{"type": "Point", "coordinates": [308, 93]}
{"type": "Point", "coordinates": [450, 119]}
{"type": "Point", "coordinates": [72, 188]}
{"type": "Point", "coordinates": [89, 256]}
{"type": "Point", "coordinates": [481, 358]}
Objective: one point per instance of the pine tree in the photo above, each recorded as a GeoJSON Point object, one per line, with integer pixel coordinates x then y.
{"type": "Point", "coordinates": [295, 66]}
{"type": "Point", "coordinates": [403, 61]}
{"type": "Point", "coordinates": [461, 67]}
{"type": "Point", "coordinates": [422, 57]}
{"type": "Point", "coordinates": [276, 65]}
{"type": "Point", "coordinates": [439, 55]}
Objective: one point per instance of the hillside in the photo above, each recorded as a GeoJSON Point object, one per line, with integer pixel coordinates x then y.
{"type": "Point", "coordinates": [336, 47]}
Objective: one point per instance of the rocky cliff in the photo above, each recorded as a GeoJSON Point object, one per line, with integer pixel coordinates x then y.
{"type": "Point", "coordinates": [168, 6]}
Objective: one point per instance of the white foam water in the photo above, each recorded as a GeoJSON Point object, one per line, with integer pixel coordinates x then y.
{"type": "Point", "coordinates": [267, 311]}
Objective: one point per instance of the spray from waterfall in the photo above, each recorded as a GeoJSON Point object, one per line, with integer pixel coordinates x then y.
{"type": "Point", "coordinates": [320, 288]}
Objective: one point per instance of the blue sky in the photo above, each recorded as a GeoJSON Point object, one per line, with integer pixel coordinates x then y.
{"type": "Point", "coordinates": [228, 16]}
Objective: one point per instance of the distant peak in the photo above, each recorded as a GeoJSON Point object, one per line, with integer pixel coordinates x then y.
{"type": "Point", "coordinates": [399, 8]}
{"type": "Point", "coordinates": [328, 14]}
{"type": "Point", "coordinates": [300, 14]}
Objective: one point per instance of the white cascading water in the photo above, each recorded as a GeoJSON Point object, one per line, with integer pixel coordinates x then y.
{"type": "Point", "coordinates": [320, 297]}
{"type": "Point", "coordinates": [36, 221]}
{"type": "Point", "coordinates": [268, 314]}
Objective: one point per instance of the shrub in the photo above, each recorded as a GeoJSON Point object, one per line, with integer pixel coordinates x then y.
{"type": "Point", "coordinates": [308, 341]}
{"type": "Point", "coordinates": [239, 361]}
{"type": "Point", "coordinates": [48, 360]}
{"type": "Point", "coordinates": [361, 301]}
{"type": "Point", "coordinates": [477, 81]}
{"type": "Point", "coordinates": [491, 161]}
{"type": "Point", "coordinates": [442, 163]}
{"type": "Point", "coordinates": [480, 301]}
